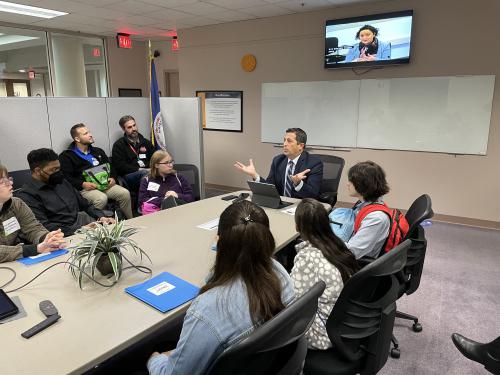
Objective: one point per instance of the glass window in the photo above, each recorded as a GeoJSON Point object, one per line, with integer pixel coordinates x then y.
{"type": "Point", "coordinates": [23, 63]}
{"type": "Point", "coordinates": [78, 65]}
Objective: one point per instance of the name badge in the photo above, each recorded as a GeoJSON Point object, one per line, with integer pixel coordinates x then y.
{"type": "Point", "coordinates": [10, 226]}
{"type": "Point", "coordinates": [142, 156]}
{"type": "Point", "coordinates": [153, 186]}
{"type": "Point", "coordinates": [141, 163]}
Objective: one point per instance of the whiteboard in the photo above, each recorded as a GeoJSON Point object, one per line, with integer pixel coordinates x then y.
{"type": "Point", "coordinates": [25, 127]}
{"type": "Point", "coordinates": [326, 110]}
{"type": "Point", "coordinates": [138, 108]}
{"type": "Point", "coordinates": [435, 114]}
{"type": "Point", "coordinates": [66, 112]}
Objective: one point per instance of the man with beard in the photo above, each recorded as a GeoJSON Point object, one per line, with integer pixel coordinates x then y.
{"type": "Point", "coordinates": [53, 200]}
{"type": "Point", "coordinates": [80, 157]}
{"type": "Point", "coordinates": [131, 153]}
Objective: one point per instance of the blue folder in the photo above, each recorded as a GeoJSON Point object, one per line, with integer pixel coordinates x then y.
{"type": "Point", "coordinates": [158, 291]}
{"type": "Point", "coordinates": [46, 256]}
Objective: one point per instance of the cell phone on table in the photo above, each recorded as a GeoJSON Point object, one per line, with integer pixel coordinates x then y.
{"type": "Point", "coordinates": [229, 197]}
{"type": "Point", "coordinates": [7, 307]}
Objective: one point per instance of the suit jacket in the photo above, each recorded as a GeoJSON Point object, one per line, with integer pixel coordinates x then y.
{"type": "Point", "coordinates": [312, 183]}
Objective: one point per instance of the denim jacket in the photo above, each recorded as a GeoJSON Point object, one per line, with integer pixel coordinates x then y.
{"type": "Point", "coordinates": [215, 320]}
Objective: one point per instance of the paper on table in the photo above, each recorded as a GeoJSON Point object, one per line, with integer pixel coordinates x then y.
{"type": "Point", "coordinates": [209, 225]}
{"type": "Point", "coordinates": [290, 211]}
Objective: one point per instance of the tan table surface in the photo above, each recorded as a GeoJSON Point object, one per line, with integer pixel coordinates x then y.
{"type": "Point", "coordinates": [97, 322]}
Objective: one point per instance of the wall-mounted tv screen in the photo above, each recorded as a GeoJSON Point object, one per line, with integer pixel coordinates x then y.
{"type": "Point", "coordinates": [379, 39]}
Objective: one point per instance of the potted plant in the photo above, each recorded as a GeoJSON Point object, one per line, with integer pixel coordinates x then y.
{"type": "Point", "coordinates": [104, 248]}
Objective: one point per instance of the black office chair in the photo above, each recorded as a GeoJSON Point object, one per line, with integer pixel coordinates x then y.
{"type": "Point", "coordinates": [332, 171]}
{"type": "Point", "coordinates": [190, 171]}
{"type": "Point", "coordinates": [277, 347]}
{"type": "Point", "coordinates": [20, 178]}
{"type": "Point", "coordinates": [420, 210]}
{"type": "Point", "coordinates": [361, 322]}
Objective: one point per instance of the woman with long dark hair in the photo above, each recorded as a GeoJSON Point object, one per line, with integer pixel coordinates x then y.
{"type": "Point", "coordinates": [321, 256]}
{"type": "Point", "coordinates": [246, 288]}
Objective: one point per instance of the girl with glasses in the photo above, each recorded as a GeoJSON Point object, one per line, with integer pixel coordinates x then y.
{"type": "Point", "coordinates": [163, 181]}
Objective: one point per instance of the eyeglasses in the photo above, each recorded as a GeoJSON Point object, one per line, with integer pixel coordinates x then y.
{"type": "Point", "coordinates": [168, 162]}
{"type": "Point", "coordinates": [6, 181]}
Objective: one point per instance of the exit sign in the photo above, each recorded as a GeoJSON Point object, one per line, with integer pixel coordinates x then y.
{"type": "Point", "coordinates": [124, 41]}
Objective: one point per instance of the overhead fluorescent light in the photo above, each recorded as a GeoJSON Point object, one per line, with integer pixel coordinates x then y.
{"type": "Point", "coordinates": [10, 39]}
{"type": "Point", "coordinates": [27, 10]}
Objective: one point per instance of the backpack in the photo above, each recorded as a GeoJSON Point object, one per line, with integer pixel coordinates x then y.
{"type": "Point", "coordinates": [398, 224]}
{"type": "Point", "coordinates": [342, 222]}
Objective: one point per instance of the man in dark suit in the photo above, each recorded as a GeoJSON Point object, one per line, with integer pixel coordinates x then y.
{"type": "Point", "coordinates": [295, 173]}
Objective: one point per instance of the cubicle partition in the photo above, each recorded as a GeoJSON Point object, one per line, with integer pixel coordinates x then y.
{"type": "Point", "coordinates": [31, 123]}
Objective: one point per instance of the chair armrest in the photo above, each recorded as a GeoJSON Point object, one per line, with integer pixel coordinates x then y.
{"type": "Point", "coordinates": [362, 262]}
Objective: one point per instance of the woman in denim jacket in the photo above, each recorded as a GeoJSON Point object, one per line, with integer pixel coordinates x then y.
{"type": "Point", "coordinates": [246, 288]}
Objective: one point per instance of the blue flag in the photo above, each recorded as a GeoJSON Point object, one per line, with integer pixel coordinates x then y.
{"type": "Point", "coordinates": [157, 135]}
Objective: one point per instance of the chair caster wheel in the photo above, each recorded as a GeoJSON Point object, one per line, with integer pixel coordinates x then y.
{"type": "Point", "coordinates": [417, 327]}
{"type": "Point", "coordinates": [395, 353]}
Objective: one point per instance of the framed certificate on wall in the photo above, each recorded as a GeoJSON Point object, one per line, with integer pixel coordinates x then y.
{"type": "Point", "coordinates": [222, 110]}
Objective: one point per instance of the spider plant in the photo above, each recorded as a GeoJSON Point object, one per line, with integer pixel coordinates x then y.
{"type": "Point", "coordinates": [104, 244]}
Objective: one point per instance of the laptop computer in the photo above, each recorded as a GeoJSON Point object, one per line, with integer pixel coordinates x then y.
{"type": "Point", "coordinates": [266, 195]}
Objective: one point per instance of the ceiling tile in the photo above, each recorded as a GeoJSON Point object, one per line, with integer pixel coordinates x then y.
{"type": "Point", "coordinates": [197, 21]}
{"type": "Point", "coordinates": [98, 3]}
{"type": "Point", "coordinates": [103, 13]}
{"type": "Point", "coordinates": [231, 15]}
{"type": "Point", "coordinates": [168, 14]}
{"type": "Point", "coordinates": [200, 9]}
{"type": "Point", "coordinates": [169, 3]}
{"type": "Point", "coordinates": [267, 11]}
{"type": "Point", "coordinates": [304, 5]}
{"type": "Point", "coordinates": [139, 20]}
{"type": "Point", "coordinates": [133, 7]}
{"type": "Point", "coordinates": [237, 4]}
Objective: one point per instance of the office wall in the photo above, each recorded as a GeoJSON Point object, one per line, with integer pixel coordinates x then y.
{"type": "Point", "coordinates": [127, 68]}
{"type": "Point", "coordinates": [167, 61]}
{"type": "Point", "coordinates": [450, 38]}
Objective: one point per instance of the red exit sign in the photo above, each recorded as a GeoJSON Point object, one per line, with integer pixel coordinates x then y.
{"type": "Point", "coordinates": [124, 41]}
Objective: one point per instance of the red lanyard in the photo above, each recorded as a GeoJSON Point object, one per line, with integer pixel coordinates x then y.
{"type": "Point", "coordinates": [133, 150]}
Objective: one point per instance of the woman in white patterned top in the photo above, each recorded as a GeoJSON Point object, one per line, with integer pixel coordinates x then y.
{"type": "Point", "coordinates": [322, 256]}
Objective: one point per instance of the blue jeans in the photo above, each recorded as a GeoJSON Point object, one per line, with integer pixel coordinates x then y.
{"type": "Point", "coordinates": [134, 179]}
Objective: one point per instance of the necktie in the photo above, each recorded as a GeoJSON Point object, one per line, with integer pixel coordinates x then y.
{"type": "Point", "coordinates": [288, 181]}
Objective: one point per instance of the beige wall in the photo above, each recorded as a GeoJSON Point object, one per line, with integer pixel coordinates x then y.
{"type": "Point", "coordinates": [450, 38]}
{"type": "Point", "coordinates": [166, 62]}
{"type": "Point", "coordinates": [127, 68]}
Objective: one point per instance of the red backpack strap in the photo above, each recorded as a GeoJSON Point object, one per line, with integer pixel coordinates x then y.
{"type": "Point", "coordinates": [368, 209]}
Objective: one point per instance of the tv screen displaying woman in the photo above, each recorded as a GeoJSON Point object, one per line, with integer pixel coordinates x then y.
{"type": "Point", "coordinates": [381, 39]}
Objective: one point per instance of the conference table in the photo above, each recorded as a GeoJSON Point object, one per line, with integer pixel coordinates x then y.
{"type": "Point", "coordinates": [97, 323]}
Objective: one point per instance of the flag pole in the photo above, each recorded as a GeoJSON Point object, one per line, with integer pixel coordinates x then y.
{"type": "Point", "coordinates": [150, 57]}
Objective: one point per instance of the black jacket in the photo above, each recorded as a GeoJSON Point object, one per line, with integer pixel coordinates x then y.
{"type": "Point", "coordinates": [56, 206]}
{"type": "Point", "coordinates": [126, 156]}
{"type": "Point", "coordinates": [72, 166]}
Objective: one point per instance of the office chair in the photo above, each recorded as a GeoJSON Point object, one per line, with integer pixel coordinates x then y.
{"type": "Point", "coordinates": [332, 171]}
{"type": "Point", "coordinates": [420, 210]}
{"type": "Point", "coordinates": [278, 346]}
{"type": "Point", "coordinates": [190, 171]}
{"type": "Point", "coordinates": [361, 322]}
{"type": "Point", "coordinates": [20, 178]}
